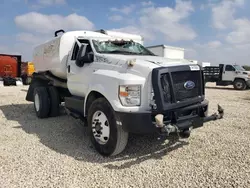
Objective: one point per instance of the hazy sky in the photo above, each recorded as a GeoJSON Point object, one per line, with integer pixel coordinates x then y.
{"type": "Point", "coordinates": [216, 31]}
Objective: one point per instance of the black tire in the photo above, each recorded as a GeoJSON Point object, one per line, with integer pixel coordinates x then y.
{"type": "Point", "coordinates": [54, 101]}
{"type": "Point", "coordinates": [42, 110]}
{"type": "Point", "coordinates": [118, 138]}
{"type": "Point", "coordinates": [239, 84]}
{"type": "Point", "coordinates": [29, 79]}
{"type": "Point", "coordinates": [24, 80]}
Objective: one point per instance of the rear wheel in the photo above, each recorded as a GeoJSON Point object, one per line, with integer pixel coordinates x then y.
{"type": "Point", "coordinates": [240, 84]}
{"type": "Point", "coordinates": [41, 102]}
{"type": "Point", "coordinates": [29, 79]}
{"type": "Point", "coordinates": [54, 101]}
{"type": "Point", "coordinates": [107, 137]}
{"type": "Point", "coordinates": [24, 78]}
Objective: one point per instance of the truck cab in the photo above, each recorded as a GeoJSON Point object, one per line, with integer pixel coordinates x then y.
{"type": "Point", "coordinates": [230, 72]}
{"type": "Point", "coordinates": [117, 86]}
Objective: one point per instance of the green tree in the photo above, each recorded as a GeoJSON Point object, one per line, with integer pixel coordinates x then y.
{"type": "Point", "coordinates": [247, 67]}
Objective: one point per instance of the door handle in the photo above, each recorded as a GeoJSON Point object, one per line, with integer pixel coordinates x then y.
{"type": "Point", "coordinates": [68, 68]}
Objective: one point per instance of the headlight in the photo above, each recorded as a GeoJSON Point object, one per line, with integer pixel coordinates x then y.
{"type": "Point", "coordinates": [130, 95]}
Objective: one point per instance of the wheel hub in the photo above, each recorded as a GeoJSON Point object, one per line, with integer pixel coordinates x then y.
{"type": "Point", "coordinates": [239, 85]}
{"type": "Point", "coordinates": [100, 127]}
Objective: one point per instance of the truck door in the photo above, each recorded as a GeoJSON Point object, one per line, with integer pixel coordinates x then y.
{"type": "Point", "coordinates": [228, 73]}
{"type": "Point", "coordinates": [78, 77]}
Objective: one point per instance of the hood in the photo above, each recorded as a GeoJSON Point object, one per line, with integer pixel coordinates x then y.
{"type": "Point", "coordinates": [243, 72]}
{"type": "Point", "coordinates": [143, 65]}
{"type": "Point", "coordinates": [246, 72]}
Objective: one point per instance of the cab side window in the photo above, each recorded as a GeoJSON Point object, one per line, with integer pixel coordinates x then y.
{"type": "Point", "coordinates": [229, 68]}
{"type": "Point", "coordinates": [76, 49]}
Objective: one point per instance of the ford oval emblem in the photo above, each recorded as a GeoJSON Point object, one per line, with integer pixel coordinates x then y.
{"type": "Point", "coordinates": [189, 85]}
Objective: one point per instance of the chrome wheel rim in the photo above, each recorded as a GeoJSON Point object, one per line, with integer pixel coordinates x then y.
{"type": "Point", "coordinates": [100, 127]}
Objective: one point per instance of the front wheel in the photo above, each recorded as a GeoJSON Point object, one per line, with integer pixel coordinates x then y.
{"type": "Point", "coordinates": [240, 84]}
{"type": "Point", "coordinates": [108, 138]}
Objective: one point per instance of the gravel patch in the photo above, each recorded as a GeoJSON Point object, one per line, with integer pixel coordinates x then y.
{"type": "Point", "coordinates": [55, 152]}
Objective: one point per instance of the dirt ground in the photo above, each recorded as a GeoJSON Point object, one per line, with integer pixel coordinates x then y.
{"type": "Point", "coordinates": [55, 152]}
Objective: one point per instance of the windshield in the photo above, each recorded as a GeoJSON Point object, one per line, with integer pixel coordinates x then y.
{"type": "Point", "coordinates": [239, 68]}
{"type": "Point", "coordinates": [121, 47]}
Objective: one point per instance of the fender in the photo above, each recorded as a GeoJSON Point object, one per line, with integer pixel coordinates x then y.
{"type": "Point", "coordinates": [106, 82]}
{"type": "Point", "coordinates": [97, 88]}
{"type": "Point", "coordinates": [242, 78]}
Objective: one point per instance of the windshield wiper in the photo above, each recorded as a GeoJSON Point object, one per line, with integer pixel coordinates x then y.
{"type": "Point", "coordinates": [141, 53]}
{"type": "Point", "coordinates": [124, 52]}
{"type": "Point", "coordinates": [119, 52]}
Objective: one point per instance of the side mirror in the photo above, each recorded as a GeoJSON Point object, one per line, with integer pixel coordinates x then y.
{"type": "Point", "coordinates": [82, 57]}
{"type": "Point", "coordinates": [88, 58]}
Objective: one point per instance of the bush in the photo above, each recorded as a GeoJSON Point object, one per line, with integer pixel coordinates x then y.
{"type": "Point", "coordinates": [246, 67]}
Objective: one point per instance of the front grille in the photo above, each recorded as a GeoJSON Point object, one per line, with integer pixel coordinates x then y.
{"type": "Point", "coordinates": [169, 90]}
{"type": "Point", "coordinates": [179, 79]}
{"type": "Point", "coordinates": [173, 85]}
{"type": "Point", "coordinates": [166, 88]}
